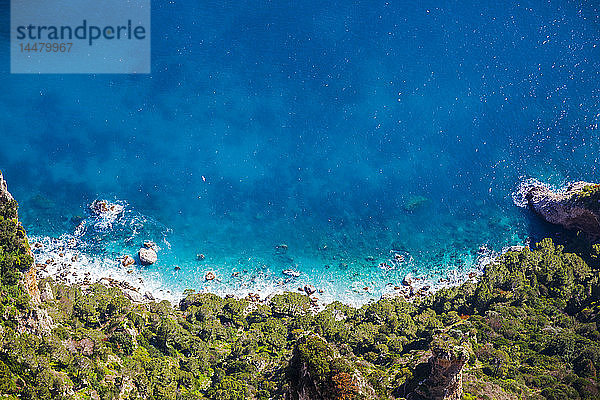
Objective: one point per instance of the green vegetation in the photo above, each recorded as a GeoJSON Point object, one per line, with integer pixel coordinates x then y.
{"type": "Point", "coordinates": [15, 257]}
{"type": "Point", "coordinates": [590, 197]}
{"type": "Point", "coordinates": [530, 327]}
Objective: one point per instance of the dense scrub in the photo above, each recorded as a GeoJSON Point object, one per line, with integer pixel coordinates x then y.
{"type": "Point", "coordinates": [590, 197]}
{"type": "Point", "coordinates": [530, 325]}
{"type": "Point", "coordinates": [15, 257]}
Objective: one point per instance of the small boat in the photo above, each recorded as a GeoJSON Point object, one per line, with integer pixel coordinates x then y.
{"type": "Point", "coordinates": [291, 272]}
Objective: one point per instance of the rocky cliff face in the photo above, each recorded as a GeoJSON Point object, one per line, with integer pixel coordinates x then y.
{"type": "Point", "coordinates": [5, 195]}
{"type": "Point", "coordinates": [317, 372]}
{"type": "Point", "coordinates": [575, 207]}
{"type": "Point", "coordinates": [449, 354]}
{"type": "Point", "coordinates": [29, 278]}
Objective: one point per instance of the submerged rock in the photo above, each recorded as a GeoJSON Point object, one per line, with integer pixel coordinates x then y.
{"type": "Point", "coordinates": [41, 203]}
{"type": "Point", "coordinates": [149, 244]}
{"type": "Point", "coordinates": [415, 202]}
{"type": "Point", "coordinates": [575, 207]}
{"type": "Point", "coordinates": [147, 256]}
{"type": "Point", "coordinates": [281, 248]}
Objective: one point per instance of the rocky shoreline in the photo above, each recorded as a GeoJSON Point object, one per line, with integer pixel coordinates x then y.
{"type": "Point", "coordinates": [574, 207]}
{"type": "Point", "coordinates": [59, 258]}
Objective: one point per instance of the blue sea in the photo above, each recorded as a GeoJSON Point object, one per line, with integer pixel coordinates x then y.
{"type": "Point", "coordinates": [353, 142]}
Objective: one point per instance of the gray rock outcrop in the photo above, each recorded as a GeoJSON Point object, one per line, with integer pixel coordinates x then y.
{"type": "Point", "coordinates": [147, 256]}
{"type": "Point", "coordinates": [5, 195]}
{"type": "Point", "coordinates": [314, 373]}
{"type": "Point", "coordinates": [574, 207]}
{"type": "Point", "coordinates": [449, 355]}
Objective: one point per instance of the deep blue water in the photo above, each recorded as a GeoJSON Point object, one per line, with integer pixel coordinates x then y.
{"type": "Point", "coordinates": [317, 125]}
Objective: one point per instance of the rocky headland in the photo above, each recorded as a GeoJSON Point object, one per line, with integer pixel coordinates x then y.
{"type": "Point", "coordinates": [575, 207]}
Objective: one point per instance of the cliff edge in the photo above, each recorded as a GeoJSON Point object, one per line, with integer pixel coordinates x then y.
{"type": "Point", "coordinates": [5, 195]}
{"type": "Point", "coordinates": [575, 207]}
{"type": "Point", "coordinates": [24, 257]}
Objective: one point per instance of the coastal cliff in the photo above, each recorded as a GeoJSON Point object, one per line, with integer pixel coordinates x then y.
{"type": "Point", "coordinates": [17, 263]}
{"type": "Point", "coordinates": [575, 207]}
{"type": "Point", "coordinates": [449, 355]}
{"type": "Point", "coordinates": [526, 329]}
{"type": "Point", "coordinates": [5, 196]}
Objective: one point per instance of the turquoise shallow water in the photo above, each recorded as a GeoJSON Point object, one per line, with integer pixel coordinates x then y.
{"type": "Point", "coordinates": [349, 131]}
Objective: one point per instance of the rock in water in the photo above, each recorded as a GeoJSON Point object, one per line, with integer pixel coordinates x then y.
{"type": "Point", "coordinates": [415, 202]}
{"type": "Point", "coordinates": [281, 248]}
{"type": "Point", "coordinates": [309, 289]}
{"type": "Point", "coordinates": [575, 207]}
{"type": "Point", "coordinates": [209, 276]}
{"type": "Point", "coordinates": [147, 256]}
{"type": "Point", "coordinates": [127, 261]}
{"type": "Point", "coordinates": [99, 207]}
{"type": "Point", "coordinates": [103, 208]}
{"type": "Point", "coordinates": [149, 244]}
